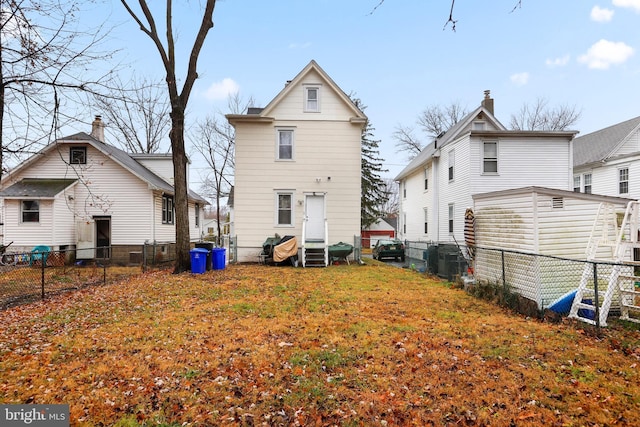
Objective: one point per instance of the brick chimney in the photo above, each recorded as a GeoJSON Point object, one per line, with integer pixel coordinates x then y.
{"type": "Point", "coordinates": [487, 102]}
{"type": "Point", "coordinates": [97, 129]}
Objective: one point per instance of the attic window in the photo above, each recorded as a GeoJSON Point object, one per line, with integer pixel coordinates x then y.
{"type": "Point", "coordinates": [478, 125]}
{"type": "Point", "coordinates": [312, 99]}
{"type": "Point", "coordinates": [557, 202]}
{"type": "Point", "coordinates": [78, 155]}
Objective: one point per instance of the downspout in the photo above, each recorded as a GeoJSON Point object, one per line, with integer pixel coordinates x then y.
{"type": "Point", "coordinates": [436, 206]}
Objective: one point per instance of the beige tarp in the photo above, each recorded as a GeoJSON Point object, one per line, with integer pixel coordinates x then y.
{"type": "Point", "coordinates": [285, 249]}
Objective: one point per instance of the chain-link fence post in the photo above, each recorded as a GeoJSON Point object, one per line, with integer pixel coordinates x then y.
{"type": "Point", "coordinates": [43, 262]}
{"type": "Point", "coordinates": [504, 274]}
{"type": "Point", "coordinates": [595, 296]}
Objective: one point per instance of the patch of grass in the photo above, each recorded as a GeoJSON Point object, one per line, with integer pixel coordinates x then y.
{"type": "Point", "coordinates": [354, 345]}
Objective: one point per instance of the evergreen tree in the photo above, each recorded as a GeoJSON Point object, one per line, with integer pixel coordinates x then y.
{"type": "Point", "coordinates": [373, 189]}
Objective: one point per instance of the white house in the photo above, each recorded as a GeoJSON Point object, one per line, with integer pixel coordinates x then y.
{"type": "Point", "coordinates": [477, 155]}
{"type": "Point", "coordinates": [297, 168]}
{"type": "Point", "coordinates": [81, 193]}
{"type": "Point", "coordinates": [608, 161]}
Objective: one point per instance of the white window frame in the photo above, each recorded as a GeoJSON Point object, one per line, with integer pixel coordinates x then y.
{"type": "Point", "coordinates": [404, 189]}
{"type": "Point", "coordinates": [277, 222]}
{"type": "Point", "coordinates": [486, 159]}
{"type": "Point", "coordinates": [279, 132]}
{"type": "Point", "coordinates": [197, 212]}
{"type": "Point", "coordinates": [452, 163]}
{"type": "Point", "coordinates": [168, 209]}
{"type": "Point", "coordinates": [450, 223]}
{"type": "Point", "coordinates": [588, 183]}
{"type": "Point", "coordinates": [35, 209]}
{"type": "Point", "coordinates": [426, 178]}
{"type": "Point", "coordinates": [577, 183]}
{"type": "Point", "coordinates": [623, 180]}
{"type": "Point", "coordinates": [426, 221]}
{"type": "Point", "coordinates": [308, 106]}
{"type": "Point", "coordinates": [478, 125]}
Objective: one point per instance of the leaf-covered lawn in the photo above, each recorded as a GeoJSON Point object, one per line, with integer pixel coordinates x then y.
{"type": "Point", "coordinates": [345, 345]}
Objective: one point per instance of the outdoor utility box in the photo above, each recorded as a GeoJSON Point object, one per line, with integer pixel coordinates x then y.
{"type": "Point", "coordinates": [450, 262]}
{"type": "Point", "coordinates": [198, 260]}
{"type": "Point", "coordinates": [209, 247]}
{"type": "Point", "coordinates": [430, 256]}
{"type": "Point", "coordinates": [219, 258]}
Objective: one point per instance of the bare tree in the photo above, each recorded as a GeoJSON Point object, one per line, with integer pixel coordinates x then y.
{"type": "Point", "coordinates": [179, 99]}
{"type": "Point", "coordinates": [539, 116]}
{"type": "Point", "coordinates": [43, 51]}
{"type": "Point", "coordinates": [391, 206]}
{"type": "Point", "coordinates": [138, 115]}
{"type": "Point", "coordinates": [214, 139]}
{"type": "Point", "coordinates": [433, 121]}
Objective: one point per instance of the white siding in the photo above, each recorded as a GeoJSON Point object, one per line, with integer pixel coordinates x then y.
{"type": "Point", "coordinates": [326, 160]}
{"type": "Point", "coordinates": [605, 177]}
{"type": "Point", "coordinates": [107, 190]}
{"type": "Point", "coordinates": [161, 166]}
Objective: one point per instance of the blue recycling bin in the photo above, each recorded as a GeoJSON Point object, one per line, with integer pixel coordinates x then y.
{"type": "Point", "coordinates": [198, 260]}
{"type": "Point", "coordinates": [218, 256]}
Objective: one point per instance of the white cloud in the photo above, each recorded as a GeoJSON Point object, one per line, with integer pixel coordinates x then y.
{"type": "Point", "coordinates": [633, 4]}
{"type": "Point", "coordinates": [601, 15]}
{"type": "Point", "coordinates": [221, 90]}
{"type": "Point", "coordinates": [604, 53]}
{"type": "Point", "coordinates": [558, 62]}
{"type": "Point", "coordinates": [520, 79]}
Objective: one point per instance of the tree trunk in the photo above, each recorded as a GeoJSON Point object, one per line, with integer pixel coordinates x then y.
{"type": "Point", "coordinates": [183, 259]}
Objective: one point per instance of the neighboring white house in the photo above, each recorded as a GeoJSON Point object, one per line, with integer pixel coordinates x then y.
{"type": "Point", "coordinates": [608, 161]}
{"type": "Point", "coordinates": [477, 155]}
{"type": "Point", "coordinates": [81, 193]}
{"type": "Point", "coordinates": [536, 220]}
{"type": "Point", "coordinates": [297, 168]}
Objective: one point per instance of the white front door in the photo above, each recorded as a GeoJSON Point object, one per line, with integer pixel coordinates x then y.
{"type": "Point", "coordinates": [314, 213]}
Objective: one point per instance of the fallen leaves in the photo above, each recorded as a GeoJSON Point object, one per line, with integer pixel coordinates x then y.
{"type": "Point", "coordinates": [356, 345]}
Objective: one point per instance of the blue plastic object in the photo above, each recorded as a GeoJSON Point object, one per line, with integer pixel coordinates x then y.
{"type": "Point", "coordinates": [563, 304]}
{"type": "Point", "coordinates": [40, 252]}
{"type": "Point", "coordinates": [218, 258]}
{"type": "Point", "coordinates": [198, 260]}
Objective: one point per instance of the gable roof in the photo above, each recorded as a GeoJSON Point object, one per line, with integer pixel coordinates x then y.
{"type": "Point", "coordinates": [603, 144]}
{"type": "Point", "coordinates": [36, 188]}
{"type": "Point", "coordinates": [121, 157]}
{"type": "Point", "coordinates": [262, 114]}
{"type": "Point", "coordinates": [449, 136]}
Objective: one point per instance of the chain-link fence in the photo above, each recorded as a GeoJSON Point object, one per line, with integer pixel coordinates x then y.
{"type": "Point", "coordinates": [29, 276]}
{"type": "Point", "coordinates": [540, 279]}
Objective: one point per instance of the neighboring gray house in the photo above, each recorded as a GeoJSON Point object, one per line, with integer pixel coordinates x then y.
{"type": "Point", "coordinates": [608, 161]}
{"type": "Point", "coordinates": [79, 193]}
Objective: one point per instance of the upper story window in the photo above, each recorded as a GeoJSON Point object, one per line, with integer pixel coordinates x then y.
{"type": "Point", "coordinates": [285, 144]}
{"type": "Point", "coordinates": [78, 155]}
{"type": "Point", "coordinates": [284, 208]}
{"type": "Point", "coordinates": [478, 125]}
{"type": "Point", "coordinates": [30, 211]}
{"type": "Point", "coordinates": [167, 209]}
{"type": "Point", "coordinates": [490, 157]}
{"type": "Point", "coordinates": [452, 162]}
{"type": "Point", "coordinates": [404, 189]}
{"type": "Point", "coordinates": [312, 98]}
{"type": "Point", "coordinates": [451, 214]}
{"type": "Point", "coordinates": [623, 181]}
{"type": "Point", "coordinates": [587, 183]}
{"type": "Point", "coordinates": [576, 184]}
{"type": "Point", "coordinates": [197, 209]}
{"type": "Point", "coordinates": [426, 179]}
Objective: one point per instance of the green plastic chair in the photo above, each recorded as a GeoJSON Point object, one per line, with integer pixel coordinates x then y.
{"type": "Point", "coordinates": [40, 252]}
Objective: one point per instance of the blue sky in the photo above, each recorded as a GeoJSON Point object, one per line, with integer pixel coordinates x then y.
{"type": "Point", "coordinates": [400, 58]}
